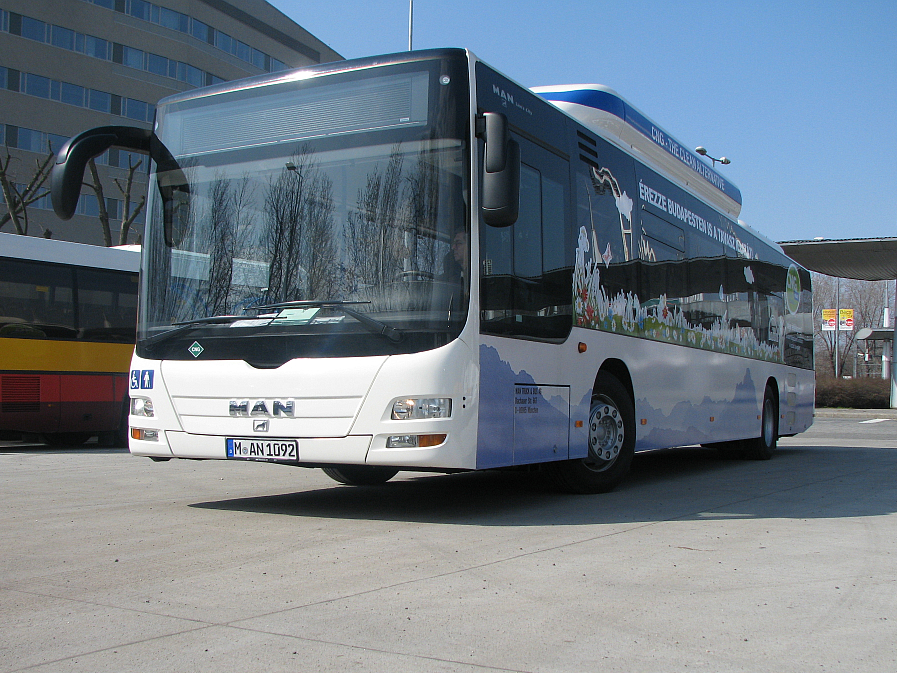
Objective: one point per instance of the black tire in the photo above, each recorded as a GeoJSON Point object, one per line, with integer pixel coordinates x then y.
{"type": "Point", "coordinates": [361, 475]}
{"type": "Point", "coordinates": [121, 435]}
{"type": "Point", "coordinates": [762, 447]}
{"type": "Point", "coordinates": [65, 438]}
{"type": "Point", "coordinates": [729, 450]}
{"type": "Point", "coordinates": [611, 442]}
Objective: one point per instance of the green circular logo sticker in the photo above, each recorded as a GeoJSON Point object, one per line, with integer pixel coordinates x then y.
{"type": "Point", "coordinates": [792, 290]}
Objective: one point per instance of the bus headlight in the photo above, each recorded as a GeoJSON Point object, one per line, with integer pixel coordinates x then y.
{"type": "Point", "coordinates": [142, 406]}
{"type": "Point", "coordinates": [406, 408]}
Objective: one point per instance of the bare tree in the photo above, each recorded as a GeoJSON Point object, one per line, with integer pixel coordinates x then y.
{"type": "Point", "coordinates": [422, 211]}
{"type": "Point", "coordinates": [128, 215]}
{"type": "Point", "coordinates": [16, 199]}
{"type": "Point", "coordinates": [824, 297]}
{"type": "Point", "coordinates": [375, 237]}
{"type": "Point", "coordinates": [222, 237]}
{"type": "Point", "coordinates": [867, 299]}
{"type": "Point", "coordinates": [299, 231]}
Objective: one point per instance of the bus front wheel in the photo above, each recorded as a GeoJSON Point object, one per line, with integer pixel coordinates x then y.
{"type": "Point", "coordinates": [361, 475]}
{"type": "Point", "coordinates": [611, 442]}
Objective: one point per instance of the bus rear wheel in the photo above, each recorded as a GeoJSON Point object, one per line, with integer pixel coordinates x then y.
{"type": "Point", "coordinates": [762, 447]}
{"type": "Point", "coordinates": [361, 475]}
{"type": "Point", "coordinates": [611, 442]}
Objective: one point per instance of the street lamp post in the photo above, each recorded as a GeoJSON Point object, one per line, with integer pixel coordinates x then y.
{"type": "Point", "coordinates": [410, 23]}
{"type": "Point", "coordinates": [837, 327]}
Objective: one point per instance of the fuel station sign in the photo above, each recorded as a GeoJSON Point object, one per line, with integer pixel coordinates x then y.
{"type": "Point", "coordinates": [840, 319]}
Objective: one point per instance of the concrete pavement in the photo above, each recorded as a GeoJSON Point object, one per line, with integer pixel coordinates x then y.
{"type": "Point", "coordinates": [115, 563]}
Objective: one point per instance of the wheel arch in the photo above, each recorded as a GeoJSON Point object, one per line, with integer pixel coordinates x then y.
{"type": "Point", "coordinates": [619, 370]}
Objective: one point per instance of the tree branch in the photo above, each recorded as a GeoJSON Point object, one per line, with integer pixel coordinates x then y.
{"type": "Point", "coordinates": [97, 188]}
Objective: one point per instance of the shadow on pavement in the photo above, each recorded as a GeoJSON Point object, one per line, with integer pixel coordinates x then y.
{"type": "Point", "coordinates": [44, 449]}
{"type": "Point", "coordinates": [688, 483]}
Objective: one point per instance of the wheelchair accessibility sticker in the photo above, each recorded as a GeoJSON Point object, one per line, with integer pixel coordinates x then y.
{"type": "Point", "coordinates": [142, 379]}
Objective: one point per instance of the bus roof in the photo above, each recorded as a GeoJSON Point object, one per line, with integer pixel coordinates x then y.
{"type": "Point", "coordinates": [64, 252]}
{"type": "Point", "coordinates": [605, 112]}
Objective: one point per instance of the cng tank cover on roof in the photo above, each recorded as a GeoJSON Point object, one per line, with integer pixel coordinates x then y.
{"type": "Point", "coordinates": [605, 112]}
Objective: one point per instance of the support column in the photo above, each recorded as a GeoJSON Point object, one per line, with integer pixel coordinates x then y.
{"type": "Point", "coordinates": [893, 368]}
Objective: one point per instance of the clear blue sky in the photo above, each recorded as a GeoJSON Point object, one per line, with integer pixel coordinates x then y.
{"type": "Point", "coordinates": [800, 95]}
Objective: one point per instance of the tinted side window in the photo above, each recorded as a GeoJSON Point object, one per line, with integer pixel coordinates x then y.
{"type": "Point", "coordinates": [107, 305]}
{"type": "Point", "coordinates": [36, 300]}
{"type": "Point", "coordinates": [706, 303]}
{"type": "Point", "coordinates": [662, 251]}
{"type": "Point", "coordinates": [527, 267]}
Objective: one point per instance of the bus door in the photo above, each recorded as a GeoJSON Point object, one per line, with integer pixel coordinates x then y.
{"type": "Point", "coordinates": [526, 301]}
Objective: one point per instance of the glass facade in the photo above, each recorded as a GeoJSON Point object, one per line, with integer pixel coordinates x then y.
{"type": "Point", "coordinates": [184, 23]}
{"type": "Point", "coordinates": [73, 94]}
{"type": "Point", "coordinates": [57, 36]}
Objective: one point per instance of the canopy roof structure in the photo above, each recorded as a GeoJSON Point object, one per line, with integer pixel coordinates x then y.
{"type": "Point", "coordinates": [859, 258]}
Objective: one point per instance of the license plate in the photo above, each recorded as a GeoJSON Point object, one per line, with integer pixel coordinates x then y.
{"type": "Point", "coordinates": [262, 449]}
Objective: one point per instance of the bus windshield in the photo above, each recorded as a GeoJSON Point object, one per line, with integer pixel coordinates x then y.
{"type": "Point", "coordinates": [311, 217]}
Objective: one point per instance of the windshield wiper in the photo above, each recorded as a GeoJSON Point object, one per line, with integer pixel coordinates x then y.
{"type": "Point", "coordinates": [372, 324]}
{"type": "Point", "coordinates": [187, 325]}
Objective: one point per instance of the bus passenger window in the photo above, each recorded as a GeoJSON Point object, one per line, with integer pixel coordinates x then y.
{"type": "Point", "coordinates": [706, 304]}
{"type": "Point", "coordinates": [36, 300]}
{"type": "Point", "coordinates": [662, 251]}
{"type": "Point", "coordinates": [107, 305]}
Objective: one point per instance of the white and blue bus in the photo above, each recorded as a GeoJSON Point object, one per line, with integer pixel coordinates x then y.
{"type": "Point", "coordinates": [410, 262]}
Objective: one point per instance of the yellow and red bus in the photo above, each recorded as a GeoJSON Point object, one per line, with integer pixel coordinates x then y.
{"type": "Point", "coordinates": [68, 313]}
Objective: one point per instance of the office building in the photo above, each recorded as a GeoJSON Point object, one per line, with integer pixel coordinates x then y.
{"type": "Point", "coordinates": [70, 65]}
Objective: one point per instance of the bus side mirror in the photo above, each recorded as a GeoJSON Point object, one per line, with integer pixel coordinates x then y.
{"type": "Point", "coordinates": [501, 173]}
{"type": "Point", "coordinates": [67, 173]}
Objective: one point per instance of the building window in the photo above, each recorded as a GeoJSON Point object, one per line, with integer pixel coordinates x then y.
{"type": "Point", "coordinates": [168, 18]}
{"type": "Point", "coordinates": [71, 94]}
{"type": "Point", "coordinates": [34, 29]}
{"type": "Point", "coordinates": [17, 24]}
{"type": "Point", "coordinates": [139, 9]}
{"type": "Point", "coordinates": [174, 20]}
{"type": "Point", "coordinates": [132, 58]}
{"type": "Point", "coordinates": [31, 140]}
{"type": "Point", "coordinates": [224, 42]}
{"type": "Point", "coordinates": [35, 85]}
{"type": "Point", "coordinates": [100, 101]}
{"type": "Point", "coordinates": [199, 30]}
{"type": "Point", "coordinates": [135, 109]}
{"type": "Point", "coordinates": [96, 47]}
{"type": "Point", "coordinates": [63, 38]}
{"type": "Point", "coordinates": [158, 65]}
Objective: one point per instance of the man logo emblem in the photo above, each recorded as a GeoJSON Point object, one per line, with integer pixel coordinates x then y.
{"type": "Point", "coordinates": [260, 426]}
{"type": "Point", "coordinates": [285, 408]}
